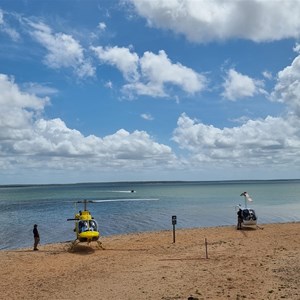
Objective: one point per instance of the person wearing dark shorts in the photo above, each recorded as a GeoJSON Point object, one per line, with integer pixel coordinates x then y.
{"type": "Point", "coordinates": [36, 237]}
{"type": "Point", "coordinates": [240, 219]}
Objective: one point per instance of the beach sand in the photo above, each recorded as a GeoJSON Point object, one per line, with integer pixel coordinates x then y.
{"type": "Point", "coordinates": [262, 263]}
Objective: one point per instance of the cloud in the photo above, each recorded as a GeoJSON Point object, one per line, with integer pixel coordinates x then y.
{"type": "Point", "coordinates": [7, 29]}
{"type": "Point", "coordinates": [54, 138]}
{"type": "Point", "coordinates": [109, 84]}
{"type": "Point", "coordinates": [11, 96]}
{"type": "Point", "coordinates": [120, 57]}
{"type": "Point", "coordinates": [287, 88]}
{"type": "Point", "coordinates": [101, 26]}
{"type": "Point", "coordinates": [152, 73]}
{"type": "Point", "coordinates": [267, 142]}
{"type": "Point", "coordinates": [147, 117]}
{"type": "Point", "coordinates": [39, 89]}
{"type": "Point", "coordinates": [237, 86]}
{"type": "Point", "coordinates": [204, 21]}
{"type": "Point", "coordinates": [18, 109]}
{"type": "Point", "coordinates": [31, 141]}
{"type": "Point", "coordinates": [297, 48]}
{"type": "Point", "coordinates": [267, 75]}
{"type": "Point", "coordinates": [63, 50]}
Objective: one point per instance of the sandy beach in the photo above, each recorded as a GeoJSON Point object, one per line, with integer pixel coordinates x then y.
{"type": "Point", "coordinates": [262, 263]}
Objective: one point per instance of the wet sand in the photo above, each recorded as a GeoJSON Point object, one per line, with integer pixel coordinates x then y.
{"type": "Point", "coordinates": [262, 263]}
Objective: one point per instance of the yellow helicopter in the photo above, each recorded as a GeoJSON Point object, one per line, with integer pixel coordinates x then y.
{"type": "Point", "coordinates": [86, 226]}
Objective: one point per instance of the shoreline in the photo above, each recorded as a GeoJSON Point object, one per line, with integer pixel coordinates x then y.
{"type": "Point", "coordinates": [148, 232]}
{"type": "Point", "coordinates": [241, 264]}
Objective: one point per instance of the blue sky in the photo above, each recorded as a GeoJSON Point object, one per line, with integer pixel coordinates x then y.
{"type": "Point", "coordinates": [149, 90]}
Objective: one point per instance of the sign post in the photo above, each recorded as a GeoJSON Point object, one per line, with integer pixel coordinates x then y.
{"type": "Point", "coordinates": [174, 222]}
{"type": "Point", "coordinates": [206, 253]}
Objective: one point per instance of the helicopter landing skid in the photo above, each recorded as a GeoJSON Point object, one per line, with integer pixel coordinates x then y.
{"type": "Point", "coordinates": [100, 246]}
{"type": "Point", "coordinates": [76, 242]}
{"type": "Point", "coordinates": [73, 244]}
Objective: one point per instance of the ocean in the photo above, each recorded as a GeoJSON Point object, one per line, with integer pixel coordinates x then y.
{"type": "Point", "coordinates": [195, 204]}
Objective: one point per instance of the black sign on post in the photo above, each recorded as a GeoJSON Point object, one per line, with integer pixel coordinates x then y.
{"type": "Point", "coordinates": [174, 222]}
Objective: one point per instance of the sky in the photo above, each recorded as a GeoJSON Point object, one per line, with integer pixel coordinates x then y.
{"type": "Point", "coordinates": [137, 90]}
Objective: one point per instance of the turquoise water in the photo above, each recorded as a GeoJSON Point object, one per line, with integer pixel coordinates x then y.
{"type": "Point", "coordinates": [196, 204]}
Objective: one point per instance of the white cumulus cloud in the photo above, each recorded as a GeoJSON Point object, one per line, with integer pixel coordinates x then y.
{"type": "Point", "coordinates": [152, 73]}
{"type": "Point", "coordinates": [102, 26]}
{"type": "Point", "coordinates": [204, 21]}
{"type": "Point", "coordinates": [287, 88]}
{"type": "Point", "coordinates": [237, 86]}
{"type": "Point", "coordinates": [147, 117]}
{"type": "Point", "coordinates": [28, 139]}
{"type": "Point", "coordinates": [268, 142]}
{"type": "Point", "coordinates": [63, 50]}
{"type": "Point", "coordinates": [120, 57]}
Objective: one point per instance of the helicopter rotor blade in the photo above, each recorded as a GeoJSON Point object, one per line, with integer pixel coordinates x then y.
{"type": "Point", "coordinates": [125, 200]}
{"type": "Point", "coordinates": [84, 201]}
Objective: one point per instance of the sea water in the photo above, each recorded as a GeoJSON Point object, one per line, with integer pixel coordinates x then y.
{"type": "Point", "coordinates": [195, 204]}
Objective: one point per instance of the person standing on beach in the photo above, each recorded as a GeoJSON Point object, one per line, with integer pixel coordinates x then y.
{"type": "Point", "coordinates": [36, 237]}
{"type": "Point", "coordinates": [240, 219]}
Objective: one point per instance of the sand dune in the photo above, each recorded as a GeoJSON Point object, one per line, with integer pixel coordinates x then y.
{"type": "Point", "coordinates": [247, 264]}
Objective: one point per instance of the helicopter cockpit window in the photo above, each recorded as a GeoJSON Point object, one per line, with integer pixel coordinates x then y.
{"type": "Point", "coordinates": [93, 225]}
{"type": "Point", "coordinates": [252, 214]}
{"type": "Point", "coordinates": [83, 226]}
{"type": "Point", "coordinates": [245, 214]}
{"type": "Point", "coordinates": [249, 214]}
